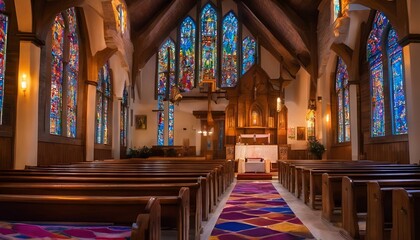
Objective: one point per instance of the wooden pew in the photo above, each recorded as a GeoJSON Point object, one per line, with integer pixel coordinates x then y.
{"type": "Point", "coordinates": [116, 176]}
{"type": "Point", "coordinates": [405, 214]}
{"type": "Point", "coordinates": [178, 216]}
{"type": "Point", "coordinates": [143, 211]}
{"type": "Point", "coordinates": [196, 221]}
{"type": "Point", "coordinates": [355, 200]}
{"type": "Point", "coordinates": [379, 214]}
{"type": "Point", "coordinates": [332, 186]}
{"type": "Point", "coordinates": [314, 192]}
{"type": "Point", "coordinates": [210, 183]}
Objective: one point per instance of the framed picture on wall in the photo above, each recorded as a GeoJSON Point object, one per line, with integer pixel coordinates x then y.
{"type": "Point", "coordinates": [291, 133]}
{"type": "Point", "coordinates": [141, 122]}
{"type": "Point", "coordinates": [300, 133]}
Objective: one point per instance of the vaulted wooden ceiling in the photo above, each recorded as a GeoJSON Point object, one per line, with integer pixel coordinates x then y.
{"type": "Point", "coordinates": [287, 28]}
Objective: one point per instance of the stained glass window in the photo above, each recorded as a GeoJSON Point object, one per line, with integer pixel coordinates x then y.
{"type": "Point", "coordinates": [124, 118]}
{"type": "Point", "coordinates": [103, 102]}
{"type": "Point", "coordinates": [166, 68]}
{"type": "Point", "coordinates": [374, 53]}
{"type": "Point", "coordinates": [395, 61]}
{"type": "Point", "coordinates": [208, 69]}
{"type": "Point", "coordinates": [122, 18]}
{"type": "Point", "coordinates": [343, 101]}
{"type": "Point", "coordinates": [230, 51]}
{"type": "Point", "coordinates": [337, 8]}
{"type": "Point", "coordinates": [72, 72]}
{"type": "Point", "coordinates": [248, 53]}
{"type": "Point", "coordinates": [57, 74]}
{"type": "Point", "coordinates": [187, 55]}
{"type": "Point", "coordinates": [64, 74]}
{"type": "Point", "coordinates": [4, 21]}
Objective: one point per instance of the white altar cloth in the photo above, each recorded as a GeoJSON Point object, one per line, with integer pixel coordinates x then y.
{"type": "Point", "coordinates": [269, 152]}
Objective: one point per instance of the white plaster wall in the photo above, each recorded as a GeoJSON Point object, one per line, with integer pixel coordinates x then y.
{"type": "Point", "coordinates": [269, 63]}
{"type": "Point", "coordinates": [95, 27]}
{"type": "Point", "coordinates": [26, 137]}
{"type": "Point", "coordinates": [296, 101]}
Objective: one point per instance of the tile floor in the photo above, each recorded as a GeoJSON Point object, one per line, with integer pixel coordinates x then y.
{"type": "Point", "coordinates": [322, 230]}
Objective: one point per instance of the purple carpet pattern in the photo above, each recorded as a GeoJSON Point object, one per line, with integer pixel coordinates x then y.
{"type": "Point", "coordinates": [255, 210]}
{"type": "Point", "coordinates": [49, 231]}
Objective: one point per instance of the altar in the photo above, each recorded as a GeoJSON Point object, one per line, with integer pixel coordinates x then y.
{"type": "Point", "coordinates": [253, 153]}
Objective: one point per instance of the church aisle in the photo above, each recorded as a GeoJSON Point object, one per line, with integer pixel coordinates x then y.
{"type": "Point", "coordinates": [310, 218]}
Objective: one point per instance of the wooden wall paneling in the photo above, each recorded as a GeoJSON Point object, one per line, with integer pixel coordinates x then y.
{"type": "Point", "coordinates": [396, 152]}
{"type": "Point", "coordinates": [59, 153]}
{"type": "Point", "coordinates": [6, 153]}
{"type": "Point", "coordinates": [340, 152]}
{"type": "Point", "coordinates": [101, 154]}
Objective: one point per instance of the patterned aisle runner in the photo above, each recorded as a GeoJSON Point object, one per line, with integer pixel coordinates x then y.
{"type": "Point", "coordinates": [255, 210]}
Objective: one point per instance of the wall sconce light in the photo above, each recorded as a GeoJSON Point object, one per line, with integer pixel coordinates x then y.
{"type": "Point", "coordinates": [278, 104]}
{"type": "Point", "coordinates": [24, 83]}
{"type": "Point", "coordinates": [327, 118]}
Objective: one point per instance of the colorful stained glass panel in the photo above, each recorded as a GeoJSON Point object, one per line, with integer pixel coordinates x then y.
{"type": "Point", "coordinates": [378, 103]}
{"type": "Point", "coordinates": [2, 5]}
{"type": "Point", "coordinates": [187, 55]}
{"type": "Point", "coordinates": [394, 51]}
{"type": "Point", "coordinates": [229, 51]}
{"type": "Point", "coordinates": [171, 123]}
{"type": "Point", "coordinates": [208, 59]}
{"type": "Point", "coordinates": [248, 53]}
{"type": "Point", "coordinates": [57, 75]}
{"type": "Point", "coordinates": [161, 121]}
{"type": "Point", "coordinates": [4, 21]}
{"type": "Point", "coordinates": [374, 43]}
{"type": "Point", "coordinates": [99, 110]}
{"type": "Point", "coordinates": [337, 9]}
{"type": "Point", "coordinates": [343, 101]}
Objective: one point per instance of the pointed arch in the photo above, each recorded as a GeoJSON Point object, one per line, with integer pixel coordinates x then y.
{"type": "Point", "coordinates": [187, 33]}
{"type": "Point", "coordinates": [64, 74]}
{"type": "Point", "coordinates": [166, 79]}
{"type": "Point", "coordinates": [249, 47]}
{"type": "Point", "coordinates": [343, 101]}
{"type": "Point", "coordinates": [208, 42]}
{"type": "Point", "coordinates": [229, 50]}
{"type": "Point", "coordinates": [396, 76]}
{"type": "Point", "coordinates": [103, 105]}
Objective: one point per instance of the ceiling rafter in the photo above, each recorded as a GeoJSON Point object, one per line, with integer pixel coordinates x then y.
{"type": "Point", "coordinates": [147, 42]}
{"type": "Point", "coordinates": [271, 42]}
{"type": "Point", "coordinates": [296, 21]}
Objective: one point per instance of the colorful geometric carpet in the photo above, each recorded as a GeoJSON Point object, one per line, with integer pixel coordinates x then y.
{"type": "Point", "coordinates": [10, 230]}
{"type": "Point", "coordinates": [255, 210]}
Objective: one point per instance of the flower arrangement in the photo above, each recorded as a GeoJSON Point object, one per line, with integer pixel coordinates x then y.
{"type": "Point", "coordinates": [316, 148]}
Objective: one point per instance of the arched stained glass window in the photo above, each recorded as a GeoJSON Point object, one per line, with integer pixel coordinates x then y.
{"type": "Point", "coordinates": [382, 40]}
{"type": "Point", "coordinates": [395, 61]}
{"type": "Point", "coordinates": [4, 22]}
{"type": "Point", "coordinates": [64, 74]}
{"type": "Point", "coordinates": [248, 53]}
{"type": "Point", "coordinates": [103, 105]}
{"type": "Point", "coordinates": [124, 118]}
{"type": "Point", "coordinates": [166, 69]}
{"type": "Point", "coordinates": [187, 54]}
{"type": "Point", "coordinates": [57, 74]}
{"type": "Point", "coordinates": [374, 53]}
{"type": "Point", "coordinates": [72, 72]}
{"type": "Point", "coordinates": [343, 101]}
{"type": "Point", "coordinates": [337, 8]}
{"type": "Point", "coordinates": [208, 61]}
{"type": "Point", "coordinates": [230, 51]}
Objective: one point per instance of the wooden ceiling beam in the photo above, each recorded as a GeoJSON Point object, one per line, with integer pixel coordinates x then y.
{"type": "Point", "coordinates": [148, 41]}
{"type": "Point", "coordinates": [268, 39]}
{"type": "Point", "coordinates": [298, 23]}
